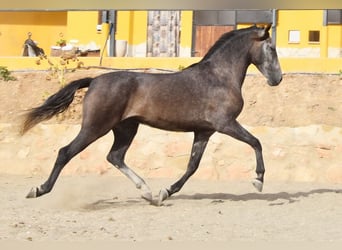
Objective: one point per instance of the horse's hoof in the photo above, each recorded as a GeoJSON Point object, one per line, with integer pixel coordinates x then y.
{"type": "Point", "coordinates": [163, 195]}
{"type": "Point", "coordinates": [258, 184]}
{"type": "Point", "coordinates": [147, 196]}
{"type": "Point", "coordinates": [33, 193]}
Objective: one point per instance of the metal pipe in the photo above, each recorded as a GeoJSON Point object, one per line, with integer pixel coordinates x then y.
{"type": "Point", "coordinates": [274, 25]}
{"type": "Point", "coordinates": [112, 21]}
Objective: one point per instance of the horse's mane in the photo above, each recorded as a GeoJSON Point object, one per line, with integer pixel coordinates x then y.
{"type": "Point", "coordinates": [225, 38]}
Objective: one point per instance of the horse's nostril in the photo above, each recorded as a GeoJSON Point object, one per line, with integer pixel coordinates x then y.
{"type": "Point", "coordinates": [274, 82]}
{"type": "Point", "coordinates": [280, 79]}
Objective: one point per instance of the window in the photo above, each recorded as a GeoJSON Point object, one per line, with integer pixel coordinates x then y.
{"type": "Point", "coordinates": [211, 17]}
{"type": "Point", "coordinates": [254, 16]}
{"type": "Point", "coordinates": [314, 36]}
{"type": "Point", "coordinates": [332, 17]}
{"type": "Point", "coordinates": [294, 36]}
{"type": "Point", "coordinates": [232, 17]}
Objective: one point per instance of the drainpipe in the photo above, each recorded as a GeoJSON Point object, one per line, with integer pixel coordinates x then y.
{"type": "Point", "coordinates": [274, 25]}
{"type": "Point", "coordinates": [109, 16]}
{"type": "Point", "coordinates": [193, 38]}
{"type": "Point", "coordinates": [112, 22]}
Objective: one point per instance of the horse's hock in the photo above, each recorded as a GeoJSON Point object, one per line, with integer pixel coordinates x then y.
{"type": "Point", "coordinates": [310, 153]}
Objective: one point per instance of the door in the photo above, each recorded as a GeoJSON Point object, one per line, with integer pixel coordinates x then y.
{"type": "Point", "coordinates": [163, 33]}
{"type": "Point", "coordinates": [206, 36]}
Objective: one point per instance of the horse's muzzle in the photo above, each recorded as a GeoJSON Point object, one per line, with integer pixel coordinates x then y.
{"type": "Point", "coordinates": [275, 81]}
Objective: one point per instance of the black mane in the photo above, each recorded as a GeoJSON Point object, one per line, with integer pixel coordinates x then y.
{"type": "Point", "coordinates": [225, 38]}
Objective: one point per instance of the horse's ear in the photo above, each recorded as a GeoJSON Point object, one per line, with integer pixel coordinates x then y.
{"type": "Point", "coordinates": [268, 27]}
{"type": "Point", "coordinates": [262, 33]}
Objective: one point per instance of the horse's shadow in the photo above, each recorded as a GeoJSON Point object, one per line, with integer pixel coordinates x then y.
{"type": "Point", "coordinates": [112, 203]}
{"type": "Point", "coordinates": [274, 199]}
{"type": "Point", "coordinates": [281, 197]}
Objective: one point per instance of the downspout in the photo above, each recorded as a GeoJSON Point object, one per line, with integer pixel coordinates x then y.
{"type": "Point", "coordinates": [193, 39]}
{"type": "Point", "coordinates": [112, 22]}
{"type": "Point", "coordinates": [109, 16]}
{"type": "Point", "coordinates": [274, 25]}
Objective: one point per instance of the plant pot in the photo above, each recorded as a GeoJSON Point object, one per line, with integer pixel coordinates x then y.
{"type": "Point", "coordinates": [120, 48]}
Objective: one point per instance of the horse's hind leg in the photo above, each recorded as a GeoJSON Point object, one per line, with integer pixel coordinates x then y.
{"type": "Point", "coordinates": [124, 133]}
{"type": "Point", "coordinates": [198, 147]}
{"type": "Point", "coordinates": [65, 154]}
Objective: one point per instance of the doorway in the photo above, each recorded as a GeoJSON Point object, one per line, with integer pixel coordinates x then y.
{"type": "Point", "coordinates": [163, 34]}
{"type": "Point", "coordinates": [206, 36]}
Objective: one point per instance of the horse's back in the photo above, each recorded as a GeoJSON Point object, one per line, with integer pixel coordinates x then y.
{"type": "Point", "coordinates": [181, 101]}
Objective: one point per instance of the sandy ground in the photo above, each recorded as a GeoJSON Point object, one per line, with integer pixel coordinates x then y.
{"type": "Point", "coordinates": [86, 208]}
{"type": "Point", "coordinates": [106, 206]}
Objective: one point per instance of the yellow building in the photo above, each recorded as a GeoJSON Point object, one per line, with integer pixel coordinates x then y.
{"type": "Point", "coordinates": [46, 28]}
{"type": "Point", "coordinates": [302, 34]}
{"type": "Point", "coordinates": [306, 39]}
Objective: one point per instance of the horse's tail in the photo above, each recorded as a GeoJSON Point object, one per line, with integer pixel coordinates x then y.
{"type": "Point", "coordinates": [55, 104]}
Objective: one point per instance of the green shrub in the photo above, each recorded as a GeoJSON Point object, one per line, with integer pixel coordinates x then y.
{"type": "Point", "coordinates": [5, 74]}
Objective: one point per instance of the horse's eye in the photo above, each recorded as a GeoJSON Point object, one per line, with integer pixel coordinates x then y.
{"type": "Point", "coordinates": [272, 47]}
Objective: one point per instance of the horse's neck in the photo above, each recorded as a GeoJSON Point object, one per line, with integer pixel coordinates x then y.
{"type": "Point", "coordinates": [231, 70]}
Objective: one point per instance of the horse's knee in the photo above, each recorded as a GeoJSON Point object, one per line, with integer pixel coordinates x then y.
{"type": "Point", "coordinates": [110, 158]}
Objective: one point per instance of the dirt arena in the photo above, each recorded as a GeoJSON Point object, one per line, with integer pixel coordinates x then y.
{"type": "Point", "coordinates": [298, 123]}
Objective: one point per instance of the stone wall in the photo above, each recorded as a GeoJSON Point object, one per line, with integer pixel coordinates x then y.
{"type": "Point", "coordinates": [311, 153]}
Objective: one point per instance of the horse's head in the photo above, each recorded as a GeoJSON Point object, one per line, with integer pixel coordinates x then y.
{"type": "Point", "coordinates": [264, 56]}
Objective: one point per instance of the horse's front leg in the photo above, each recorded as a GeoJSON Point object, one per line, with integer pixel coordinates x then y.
{"type": "Point", "coordinates": [234, 129]}
{"type": "Point", "coordinates": [198, 147]}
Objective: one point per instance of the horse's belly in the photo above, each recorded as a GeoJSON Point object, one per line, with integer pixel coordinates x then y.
{"type": "Point", "coordinates": [178, 125]}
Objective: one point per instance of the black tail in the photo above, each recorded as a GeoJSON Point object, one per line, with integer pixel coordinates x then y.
{"type": "Point", "coordinates": [55, 104]}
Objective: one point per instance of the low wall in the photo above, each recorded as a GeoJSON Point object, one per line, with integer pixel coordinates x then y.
{"type": "Point", "coordinates": [311, 153]}
{"type": "Point", "coordinates": [289, 65]}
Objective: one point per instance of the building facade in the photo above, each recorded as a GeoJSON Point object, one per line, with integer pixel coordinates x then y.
{"type": "Point", "coordinates": [298, 34]}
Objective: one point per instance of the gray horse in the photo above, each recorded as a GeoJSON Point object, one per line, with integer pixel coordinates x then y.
{"type": "Point", "coordinates": [204, 98]}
